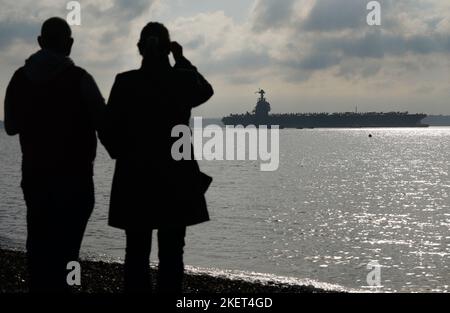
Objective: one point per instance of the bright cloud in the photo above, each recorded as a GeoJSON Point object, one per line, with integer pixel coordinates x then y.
{"type": "Point", "coordinates": [309, 54]}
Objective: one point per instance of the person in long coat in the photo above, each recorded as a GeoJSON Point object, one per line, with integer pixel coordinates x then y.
{"type": "Point", "coordinates": [151, 190]}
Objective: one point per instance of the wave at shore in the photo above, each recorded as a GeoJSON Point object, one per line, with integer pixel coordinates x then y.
{"type": "Point", "coordinates": [106, 277]}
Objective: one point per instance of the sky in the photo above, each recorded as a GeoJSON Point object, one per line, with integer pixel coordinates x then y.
{"type": "Point", "coordinates": [309, 55]}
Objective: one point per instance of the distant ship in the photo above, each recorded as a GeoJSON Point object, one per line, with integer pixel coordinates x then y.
{"type": "Point", "coordinates": [260, 116]}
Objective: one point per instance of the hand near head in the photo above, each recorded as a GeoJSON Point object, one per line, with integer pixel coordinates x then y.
{"type": "Point", "coordinates": [177, 50]}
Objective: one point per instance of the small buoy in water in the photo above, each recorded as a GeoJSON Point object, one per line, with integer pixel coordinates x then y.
{"type": "Point", "coordinates": [370, 136]}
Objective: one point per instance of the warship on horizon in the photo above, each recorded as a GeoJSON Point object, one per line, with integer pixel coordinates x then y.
{"type": "Point", "coordinates": [261, 117]}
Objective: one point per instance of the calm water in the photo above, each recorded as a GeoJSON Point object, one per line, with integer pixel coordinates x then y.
{"type": "Point", "coordinates": [338, 201]}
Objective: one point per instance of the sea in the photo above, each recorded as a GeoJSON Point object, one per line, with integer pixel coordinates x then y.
{"type": "Point", "coordinates": [365, 213]}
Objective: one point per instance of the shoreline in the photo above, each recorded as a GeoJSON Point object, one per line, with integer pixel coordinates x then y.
{"type": "Point", "coordinates": [106, 278]}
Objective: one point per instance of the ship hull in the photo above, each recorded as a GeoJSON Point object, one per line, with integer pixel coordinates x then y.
{"type": "Point", "coordinates": [345, 120]}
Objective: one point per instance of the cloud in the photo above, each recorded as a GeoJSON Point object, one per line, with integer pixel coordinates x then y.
{"type": "Point", "coordinates": [269, 14]}
{"type": "Point", "coordinates": [195, 43]}
{"type": "Point", "coordinates": [11, 31]}
{"type": "Point", "coordinates": [279, 36]}
{"type": "Point", "coordinates": [334, 15]}
{"type": "Point", "coordinates": [292, 44]}
{"type": "Point", "coordinates": [378, 44]}
{"type": "Point", "coordinates": [105, 43]}
{"type": "Point", "coordinates": [318, 61]}
{"type": "Point", "coordinates": [357, 69]}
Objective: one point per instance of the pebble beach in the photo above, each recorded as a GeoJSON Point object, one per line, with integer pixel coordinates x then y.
{"type": "Point", "coordinates": [106, 278]}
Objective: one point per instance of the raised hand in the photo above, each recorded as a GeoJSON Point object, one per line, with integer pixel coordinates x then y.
{"type": "Point", "coordinates": [176, 49]}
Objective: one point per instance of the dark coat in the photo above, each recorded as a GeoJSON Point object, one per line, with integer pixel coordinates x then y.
{"type": "Point", "coordinates": [150, 189]}
{"type": "Point", "coordinates": [50, 109]}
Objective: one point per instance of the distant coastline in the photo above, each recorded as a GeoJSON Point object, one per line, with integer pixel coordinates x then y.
{"type": "Point", "coordinates": [437, 120]}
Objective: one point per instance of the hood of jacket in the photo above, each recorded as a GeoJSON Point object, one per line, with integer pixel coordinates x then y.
{"type": "Point", "coordinates": [45, 65]}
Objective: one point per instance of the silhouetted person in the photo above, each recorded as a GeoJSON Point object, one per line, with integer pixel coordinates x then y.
{"type": "Point", "coordinates": [150, 189]}
{"type": "Point", "coordinates": [55, 107]}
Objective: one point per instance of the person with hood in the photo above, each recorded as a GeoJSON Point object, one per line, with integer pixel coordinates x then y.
{"type": "Point", "coordinates": [151, 190]}
{"type": "Point", "coordinates": [55, 107]}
